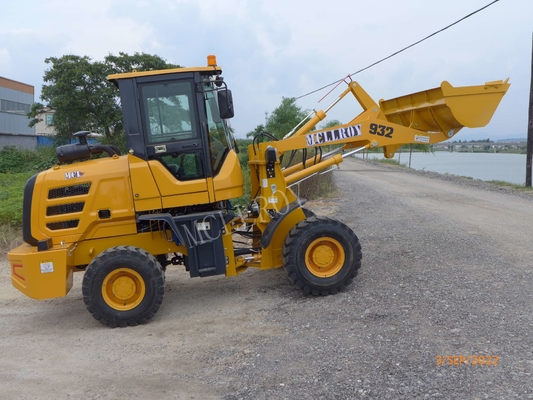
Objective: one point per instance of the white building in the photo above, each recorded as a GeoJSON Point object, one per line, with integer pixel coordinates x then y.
{"type": "Point", "coordinates": [44, 126]}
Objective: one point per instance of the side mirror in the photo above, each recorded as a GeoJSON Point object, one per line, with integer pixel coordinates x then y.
{"type": "Point", "coordinates": [225, 104]}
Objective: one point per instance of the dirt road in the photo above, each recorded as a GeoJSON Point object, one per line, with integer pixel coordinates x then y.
{"type": "Point", "coordinates": [447, 271]}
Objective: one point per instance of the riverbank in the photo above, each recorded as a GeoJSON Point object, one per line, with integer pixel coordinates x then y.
{"type": "Point", "coordinates": [523, 192]}
{"type": "Point", "coordinates": [483, 166]}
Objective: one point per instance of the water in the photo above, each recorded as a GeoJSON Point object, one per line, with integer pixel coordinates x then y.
{"type": "Point", "coordinates": [484, 166]}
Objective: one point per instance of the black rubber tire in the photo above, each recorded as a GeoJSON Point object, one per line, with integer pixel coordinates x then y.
{"type": "Point", "coordinates": [308, 213]}
{"type": "Point", "coordinates": [302, 237]}
{"type": "Point", "coordinates": [162, 259]}
{"type": "Point", "coordinates": [143, 265]}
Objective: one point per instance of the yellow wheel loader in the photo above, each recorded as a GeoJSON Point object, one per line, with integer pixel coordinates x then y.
{"type": "Point", "coordinates": [123, 219]}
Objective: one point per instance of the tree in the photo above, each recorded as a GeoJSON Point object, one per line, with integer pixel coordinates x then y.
{"type": "Point", "coordinates": [330, 124]}
{"type": "Point", "coordinates": [35, 110]}
{"type": "Point", "coordinates": [258, 129]}
{"type": "Point", "coordinates": [281, 121]}
{"type": "Point", "coordinates": [139, 61]}
{"type": "Point", "coordinates": [285, 117]}
{"type": "Point", "coordinates": [77, 89]}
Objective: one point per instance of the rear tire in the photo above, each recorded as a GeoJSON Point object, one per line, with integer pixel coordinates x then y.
{"type": "Point", "coordinates": [123, 286]}
{"type": "Point", "coordinates": [321, 255]}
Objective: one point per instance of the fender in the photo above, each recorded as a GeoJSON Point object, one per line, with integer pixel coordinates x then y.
{"type": "Point", "coordinates": [277, 220]}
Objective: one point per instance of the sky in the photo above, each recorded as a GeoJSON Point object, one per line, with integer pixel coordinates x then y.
{"type": "Point", "coordinates": [270, 49]}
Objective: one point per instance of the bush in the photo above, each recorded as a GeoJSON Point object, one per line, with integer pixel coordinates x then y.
{"type": "Point", "coordinates": [13, 160]}
{"type": "Point", "coordinates": [315, 187]}
{"type": "Point", "coordinates": [11, 195]}
{"type": "Point", "coordinates": [118, 141]}
{"type": "Point", "coordinates": [16, 167]}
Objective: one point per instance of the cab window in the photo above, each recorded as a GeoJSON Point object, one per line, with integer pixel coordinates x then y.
{"type": "Point", "coordinates": [170, 128]}
{"type": "Point", "coordinates": [169, 112]}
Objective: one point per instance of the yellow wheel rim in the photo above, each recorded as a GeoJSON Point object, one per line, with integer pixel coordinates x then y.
{"type": "Point", "coordinates": [123, 289]}
{"type": "Point", "coordinates": [324, 257]}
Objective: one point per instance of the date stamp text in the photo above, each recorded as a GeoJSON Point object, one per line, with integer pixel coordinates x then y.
{"type": "Point", "coordinates": [468, 360]}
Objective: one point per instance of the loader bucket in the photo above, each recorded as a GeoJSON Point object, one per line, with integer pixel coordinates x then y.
{"type": "Point", "coordinates": [446, 109]}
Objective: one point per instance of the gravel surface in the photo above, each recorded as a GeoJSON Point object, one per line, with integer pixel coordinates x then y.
{"type": "Point", "coordinates": [447, 271]}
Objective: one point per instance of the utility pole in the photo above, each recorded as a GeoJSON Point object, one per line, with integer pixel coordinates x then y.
{"type": "Point", "coordinates": [530, 126]}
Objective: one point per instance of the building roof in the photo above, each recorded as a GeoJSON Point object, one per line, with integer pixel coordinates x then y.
{"type": "Point", "coordinates": [19, 86]}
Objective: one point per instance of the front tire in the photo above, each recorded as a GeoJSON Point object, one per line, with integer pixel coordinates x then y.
{"type": "Point", "coordinates": [321, 255]}
{"type": "Point", "coordinates": [123, 286]}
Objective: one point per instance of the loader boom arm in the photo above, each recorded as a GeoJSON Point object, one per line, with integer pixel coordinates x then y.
{"type": "Point", "coordinates": [425, 117]}
{"type": "Point", "coordinates": [429, 116]}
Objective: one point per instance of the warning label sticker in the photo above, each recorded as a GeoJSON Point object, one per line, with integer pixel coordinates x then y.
{"type": "Point", "coordinates": [47, 267]}
{"type": "Point", "coordinates": [421, 138]}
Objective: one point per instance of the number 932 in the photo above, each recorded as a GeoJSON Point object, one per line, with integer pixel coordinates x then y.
{"type": "Point", "coordinates": [381, 130]}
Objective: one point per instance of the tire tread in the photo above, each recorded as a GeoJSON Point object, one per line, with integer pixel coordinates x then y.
{"type": "Point", "coordinates": [97, 268]}
{"type": "Point", "coordinates": [293, 266]}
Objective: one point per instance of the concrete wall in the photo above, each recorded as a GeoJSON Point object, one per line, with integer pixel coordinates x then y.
{"type": "Point", "coordinates": [15, 124]}
{"type": "Point", "coordinates": [20, 141]}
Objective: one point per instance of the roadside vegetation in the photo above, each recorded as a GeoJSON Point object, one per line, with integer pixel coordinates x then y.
{"type": "Point", "coordinates": [16, 167]}
{"type": "Point", "coordinates": [390, 161]}
{"type": "Point", "coordinates": [512, 185]}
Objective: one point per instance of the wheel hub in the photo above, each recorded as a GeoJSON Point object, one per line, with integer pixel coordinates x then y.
{"type": "Point", "coordinates": [324, 257]}
{"type": "Point", "coordinates": [123, 289]}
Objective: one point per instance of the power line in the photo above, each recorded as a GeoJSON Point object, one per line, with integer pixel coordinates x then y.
{"type": "Point", "coordinates": [399, 51]}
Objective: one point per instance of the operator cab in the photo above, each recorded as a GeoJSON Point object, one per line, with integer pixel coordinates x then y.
{"type": "Point", "coordinates": [175, 120]}
{"type": "Point", "coordinates": [177, 117]}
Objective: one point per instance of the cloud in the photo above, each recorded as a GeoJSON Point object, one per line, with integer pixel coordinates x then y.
{"type": "Point", "coordinates": [5, 58]}
{"type": "Point", "coordinates": [91, 28]}
{"type": "Point", "coordinates": [120, 35]}
{"type": "Point", "coordinates": [269, 49]}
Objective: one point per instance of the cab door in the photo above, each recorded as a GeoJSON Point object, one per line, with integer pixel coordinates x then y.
{"type": "Point", "coordinates": [175, 143]}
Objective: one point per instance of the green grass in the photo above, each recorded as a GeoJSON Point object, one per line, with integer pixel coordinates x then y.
{"type": "Point", "coordinates": [22, 160]}
{"type": "Point", "coordinates": [511, 185]}
{"type": "Point", "coordinates": [390, 161]}
{"type": "Point", "coordinates": [16, 167]}
{"type": "Point", "coordinates": [11, 195]}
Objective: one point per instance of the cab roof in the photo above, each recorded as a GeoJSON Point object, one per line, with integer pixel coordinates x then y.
{"type": "Point", "coordinates": [210, 70]}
